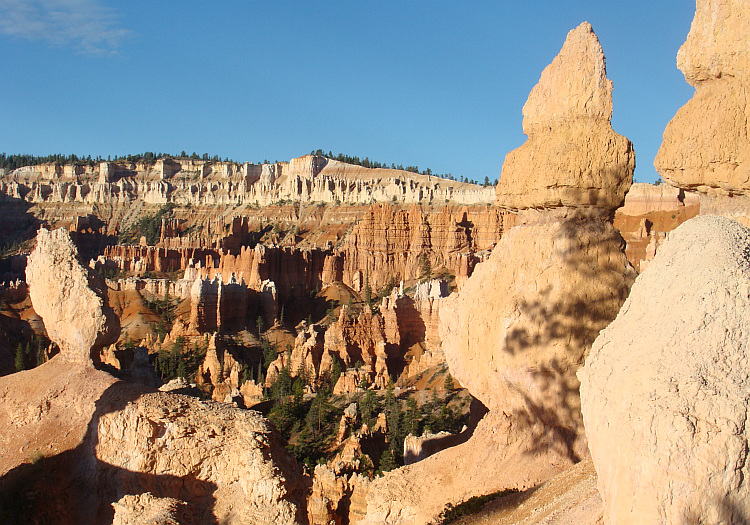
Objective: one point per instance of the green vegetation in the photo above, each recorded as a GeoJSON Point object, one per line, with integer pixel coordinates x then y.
{"type": "Point", "coordinates": [166, 309]}
{"type": "Point", "coordinates": [470, 506]}
{"type": "Point", "coordinates": [32, 354]}
{"type": "Point", "coordinates": [425, 268]}
{"type": "Point", "coordinates": [11, 247]}
{"type": "Point", "coordinates": [148, 227]}
{"type": "Point", "coordinates": [179, 360]}
{"type": "Point", "coordinates": [15, 161]}
{"type": "Point", "coordinates": [367, 163]}
{"type": "Point", "coordinates": [310, 425]}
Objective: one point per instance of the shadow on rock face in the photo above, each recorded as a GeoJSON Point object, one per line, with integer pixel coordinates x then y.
{"type": "Point", "coordinates": [75, 487]}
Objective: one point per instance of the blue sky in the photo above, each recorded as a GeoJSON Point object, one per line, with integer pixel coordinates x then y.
{"type": "Point", "coordinates": [429, 83]}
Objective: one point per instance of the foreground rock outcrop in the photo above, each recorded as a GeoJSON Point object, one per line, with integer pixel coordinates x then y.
{"type": "Point", "coordinates": [522, 324]}
{"type": "Point", "coordinates": [665, 390]}
{"type": "Point", "coordinates": [76, 441]}
{"type": "Point", "coordinates": [706, 145]}
{"type": "Point", "coordinates": [71, 299]}
{"type": "Point", "coordinates": [517, 332]}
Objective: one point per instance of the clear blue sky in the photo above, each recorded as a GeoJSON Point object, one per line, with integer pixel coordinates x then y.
{"type": "Point", "coordinates": [431, 83]}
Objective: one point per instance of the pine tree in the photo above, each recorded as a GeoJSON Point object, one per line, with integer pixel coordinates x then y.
{"type": "Point", "coordinates": [387, 461]}
{"type": "Point", "coordinates": [368, 407]}
{"type": "Point", "coordinates": [20, 362]}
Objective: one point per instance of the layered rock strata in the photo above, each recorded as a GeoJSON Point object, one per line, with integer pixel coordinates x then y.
{"type": "Point", "coordinates": [385, 244]}
{"type": "Point", "coordinates": [649, 213]}
{"type": "Point", "coordinates": [389, 244]}
{"type": "Point", "coordinates": [195, 182]}
{"type": "Point", "coordinates": [369, 347]}
{"type": "Point", "coordinates": [706, 145]}
{"type": "Point", "coordinates": [665, 389]}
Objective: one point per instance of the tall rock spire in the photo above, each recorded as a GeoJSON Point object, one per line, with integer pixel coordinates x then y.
{"type": "Point", "coordinates": [572, 156]}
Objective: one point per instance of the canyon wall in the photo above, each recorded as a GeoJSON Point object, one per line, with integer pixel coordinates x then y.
{"type": "Point", "coordinates": [185, 181]}
{"type": "Point", "coordinates": [649, 213]}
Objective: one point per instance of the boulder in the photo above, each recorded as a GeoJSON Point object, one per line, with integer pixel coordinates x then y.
{"type": "Point", "coordinates": [665, 389]}
{"type": "Point", "coordinates": [70, 298]}
{"type": "Point", "coordinates": [145, 509]}
{"type": "Point", "coordinates": [572, 156]}
{"type": "Point", "coordinates": [706, 145]}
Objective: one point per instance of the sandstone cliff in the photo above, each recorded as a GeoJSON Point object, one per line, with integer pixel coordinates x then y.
{"type": "Point", "coordinates": [648, 214]}
{"type": "Point", "coordinates": [185, 181]}
{"type": "Point", "coordinates": [558, 277]}
{"type": "Point", "coordinates": [94, 440]}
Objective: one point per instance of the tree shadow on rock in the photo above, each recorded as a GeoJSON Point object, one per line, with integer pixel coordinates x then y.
{"type": "Point", "coordinates": [590, 279]}
{"type": "Point", "coordinates": [725, 510]}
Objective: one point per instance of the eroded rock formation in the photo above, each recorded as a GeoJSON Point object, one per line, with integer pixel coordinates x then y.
{"type": "Point", "coordinates": [649, 212]}
{"type": "Point", "coordinates": [521, 325]}
{"type": "Point", "coordinates": [390, 244]}
{"type": "Point", "coordinates": [572, 156]}
{"type": "Point", "coordinates": [71, 299]}
{"type": "Point", "coordinates": [706, 145]}
{"type": "Point", "coordinates": [665, 389]}
{"type": "Point", "coordinates": [97, 441]}
{"type": "Point", "coordinates": [196, 182]}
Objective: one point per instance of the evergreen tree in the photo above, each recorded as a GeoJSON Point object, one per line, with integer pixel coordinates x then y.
{"type": "Point", "coordinates": [368, 292]}
{"type": "Point", "coordinates": [20, 361]}
{"type": "Point", "coordinates": [411, 417]}
{"type": "Point", "coordinates": [387, 461]}
{"type": "Point", "coordinates": [368, 407]}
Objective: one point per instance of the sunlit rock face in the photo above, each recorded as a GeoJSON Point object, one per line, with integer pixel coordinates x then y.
{"type": "Point", "coordinates": [706, 145]}
{"type": "Point", "coordinates": [665, 389]}
{"type": "Point", "coordinates": [519, 328]}
{"type": "Point", "coordinates": [71, 299]}
{"type": "Point", "coordinates": [521, 325]}
{"type": "Point", "coordinates": [572, 156]}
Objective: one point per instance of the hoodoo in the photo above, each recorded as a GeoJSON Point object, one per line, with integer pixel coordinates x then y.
{"type": "Point", "coordinates": [665, 390]}
{"type": "Point", "coordinates": [519, 328]}
{"type": "Point", "coordinates": [706, 145]}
